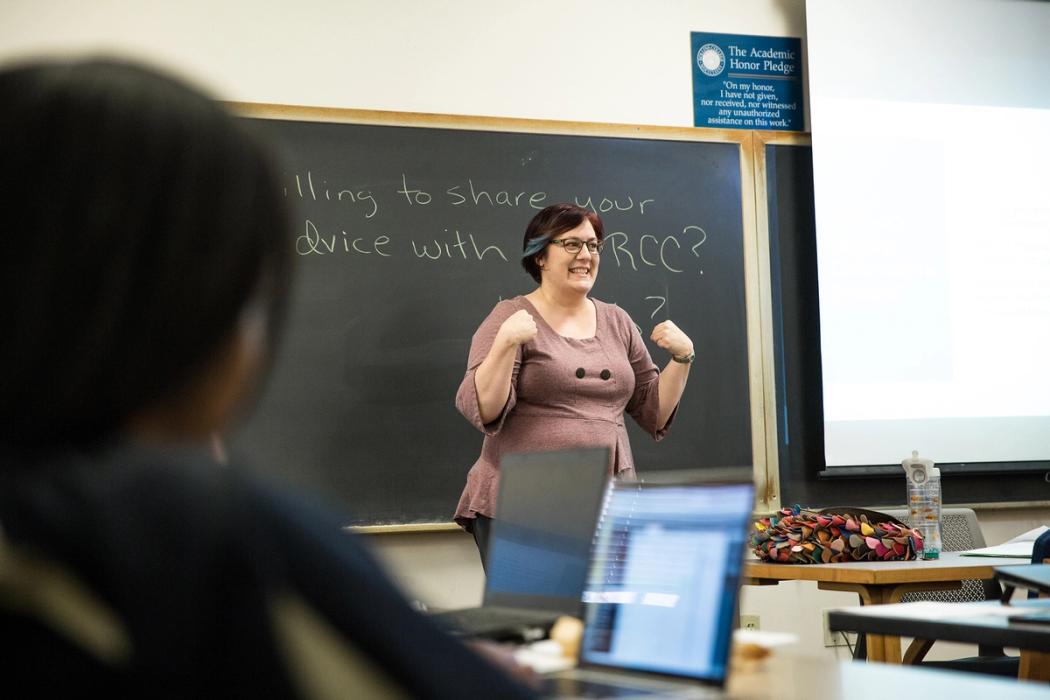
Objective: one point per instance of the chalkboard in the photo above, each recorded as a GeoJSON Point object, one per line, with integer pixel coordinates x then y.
{"type": "Point", "coordinates": [407, 236]}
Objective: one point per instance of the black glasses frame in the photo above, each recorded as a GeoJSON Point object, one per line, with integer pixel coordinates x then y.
{"type": "Point", "coordinates": [574, 246]}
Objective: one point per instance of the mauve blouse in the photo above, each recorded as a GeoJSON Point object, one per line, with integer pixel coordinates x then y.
{"type": "Point", "coordinates": [551, 407]}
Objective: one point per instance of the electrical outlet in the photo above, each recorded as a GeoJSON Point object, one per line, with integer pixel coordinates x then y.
{"type": "Point", "coordinates": [837, 639]}
{"type": "Point", "coordinates": [749, 622]}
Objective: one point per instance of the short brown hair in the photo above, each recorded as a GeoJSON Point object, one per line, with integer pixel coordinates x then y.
{"type": "Point", "coordinates": [548, 223]}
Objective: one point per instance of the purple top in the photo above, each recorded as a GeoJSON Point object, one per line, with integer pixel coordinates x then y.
{"type": "Point", "coordinates": [550, 407]}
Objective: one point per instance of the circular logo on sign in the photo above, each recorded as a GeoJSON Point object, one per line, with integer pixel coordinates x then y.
{"type": "Point", "coordinates": [710, 59]}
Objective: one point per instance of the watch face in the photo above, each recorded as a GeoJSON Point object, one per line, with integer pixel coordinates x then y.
{"type": "Point", "coordinates": [710, 59]}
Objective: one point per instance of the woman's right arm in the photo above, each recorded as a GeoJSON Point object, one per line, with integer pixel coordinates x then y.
{"type": "Point", "coordinates": [493, 376]}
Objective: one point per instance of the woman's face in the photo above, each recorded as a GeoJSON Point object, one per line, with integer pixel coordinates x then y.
{"type": "Point", "coordinates": [567, 271]}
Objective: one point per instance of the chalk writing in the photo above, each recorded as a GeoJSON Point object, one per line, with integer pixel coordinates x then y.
{"type": "Point", "coordinates": [696, 230]}
{"type": "Point", "coordinates": [605, 204]}
{"type": "Point", "coordinates": [425, 250]}
{"type": "Point", "coordinates": [312, 242]}
{"type": "Point", "coordinates": [663, 302]}
{"type": "Point", "coordinates": [653, 251]}
{"type": "Point", "coordinates": [414, 196]}
{"type": "Point", "coordinates": [306, 189]}
{"type": "Point", "coordinates": [477, 196]}
{"type": "Point", "coordinates": [635, 251]}
{"type": "Point", "coordinates": [627, 250]}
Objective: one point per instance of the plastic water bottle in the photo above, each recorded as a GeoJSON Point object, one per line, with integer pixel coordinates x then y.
{"type": "Point", "coordinates": [924, 502]}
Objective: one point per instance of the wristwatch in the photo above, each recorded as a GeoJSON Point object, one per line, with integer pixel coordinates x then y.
{"type": "Point", "coordinates": [684, 359]}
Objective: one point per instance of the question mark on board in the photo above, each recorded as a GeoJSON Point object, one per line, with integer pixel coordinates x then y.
{"type": "Point", "coordinates": [663, 300]}
{"type": "Point", "coordinates": [703, 240]}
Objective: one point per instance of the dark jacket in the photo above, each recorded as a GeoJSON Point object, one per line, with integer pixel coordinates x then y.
{"type": "Point", "coordinates": [162, 574]}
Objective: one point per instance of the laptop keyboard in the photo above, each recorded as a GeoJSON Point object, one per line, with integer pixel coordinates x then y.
{"type": "Point", "coordinates": [578, 688]}
{"type": "Point", "coordinates": [501, 624]}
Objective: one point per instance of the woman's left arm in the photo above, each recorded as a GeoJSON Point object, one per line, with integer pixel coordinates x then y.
{"type": "Point", "coordinates": [674, 376]}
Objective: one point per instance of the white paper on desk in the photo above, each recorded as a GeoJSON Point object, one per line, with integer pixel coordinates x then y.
{"type": "Point", "coordinates": [931, 608]}
{"type": "Point", "coordinates": [545, 656]}
{"type": "Point", "coordinates": [764, 638]}
{"type": "Point", "coordinates": [1020, 546]}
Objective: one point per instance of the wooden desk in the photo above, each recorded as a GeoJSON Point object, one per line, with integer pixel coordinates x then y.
{"type": "Point", "coordinates": [878, 583]}
{"type": "Point", "coordinates": [928, 623]}
{"type": "Point", "coordinates": [788, 675]}
{"type": "Point", "coordinates": [804, 678]}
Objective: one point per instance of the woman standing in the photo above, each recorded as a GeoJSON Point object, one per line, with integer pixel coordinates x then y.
{"type": "Point", "coordinates": [556, 369]}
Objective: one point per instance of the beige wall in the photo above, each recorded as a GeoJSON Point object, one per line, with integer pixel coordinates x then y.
{"type": "Point", "coordinates": [586, 60]}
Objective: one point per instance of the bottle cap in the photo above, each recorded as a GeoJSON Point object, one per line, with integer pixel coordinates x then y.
{"type": "Point", "coordinates": [919, 470]}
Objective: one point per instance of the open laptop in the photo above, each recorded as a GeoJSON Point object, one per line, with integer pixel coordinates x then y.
{"type": "Point", "coordinates": [540, 544]}
{"type": "Point", "coordinates": [661, 594]}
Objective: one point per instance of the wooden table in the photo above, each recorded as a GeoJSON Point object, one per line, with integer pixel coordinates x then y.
{"type": "Point", "coordinates": [983, 623]}
{"type": "Point", "coordinates": [790, 678]}
{"type": "Point", "coordinates": [791, 675]}
{"type": "Point", "coordinates": [878, 583]}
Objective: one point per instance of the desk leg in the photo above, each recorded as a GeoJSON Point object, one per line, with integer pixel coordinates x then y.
{"type": "Point", "coordinates": [876, 647]}
{"type": "Point", "coordinates": [891, 650]}
{"type": "Point", "coordinates": [1035, 666]}
{"type": "Point", "coordinates": [917, 651]}
{"type": "Point", "coordinates": [886, 649]}
{"type": "Point", "coordinates": [886, 595]}
{"type": "Point", "coordinates": [880, 647]}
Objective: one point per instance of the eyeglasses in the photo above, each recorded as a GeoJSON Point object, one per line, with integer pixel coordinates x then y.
{"type": "Point", "coordinates": [573, 246]}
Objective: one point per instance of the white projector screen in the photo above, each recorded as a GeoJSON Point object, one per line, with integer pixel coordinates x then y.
{"type": "Point", "coordinates": [931, 160]}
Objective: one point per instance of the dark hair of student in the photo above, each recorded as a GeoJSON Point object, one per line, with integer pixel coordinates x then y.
{"type": "Point", "coordinates": [548, 223]}
{"type": "Point", "coordinates": [140, 221]}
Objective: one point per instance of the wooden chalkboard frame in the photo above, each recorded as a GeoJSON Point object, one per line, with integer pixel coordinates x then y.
{"type": "Point", "coordinates": [755, 247]}
{"type": "Point", "coordinates": [770, 497]}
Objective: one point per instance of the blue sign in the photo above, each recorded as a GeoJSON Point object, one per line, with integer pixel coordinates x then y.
{"type": "Point", "coordinates": [747, 82]}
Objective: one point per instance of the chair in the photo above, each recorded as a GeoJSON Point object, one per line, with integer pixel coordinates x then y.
{"type": "Point", "coordinates": [1040, 554]}
{"type": "Point", "coordinates": [960, 531]}
{"type": "Point", "coordinates": [1041, 549]}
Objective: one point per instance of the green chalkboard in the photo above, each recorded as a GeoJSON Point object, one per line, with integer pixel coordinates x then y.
{"type": "Point", "coordinates": [406, 236]}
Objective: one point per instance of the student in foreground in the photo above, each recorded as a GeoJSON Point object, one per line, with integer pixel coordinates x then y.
{"type": "Point", "coordinates": [144, 265]}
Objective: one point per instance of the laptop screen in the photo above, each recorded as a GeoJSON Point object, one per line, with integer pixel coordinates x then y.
{"type": "Point", "coordinates": [664, 578]}
{"type": "Point", "coordinates": [541, 538]}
